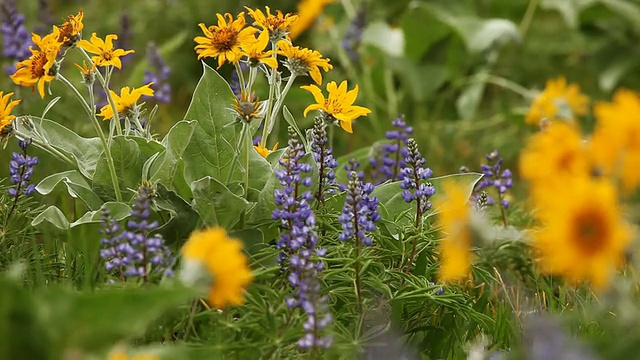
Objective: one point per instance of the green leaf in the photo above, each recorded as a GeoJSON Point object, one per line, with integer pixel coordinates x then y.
{"type": "Point", "coordinates": [165, 167]}
{"type": "Point", "coordinates": [569, 9]}
{"type": "Point", "coordinates": [292, 122]}
{"type": "Point", "coordinates": [386, 38]}
{"type": "Point", "coordinates": [82, 152]}
{"type": "Point", "coordinates": [215, 203]}
{"type": "Point", "coordinates": [127, 159]}
{"type": "Point", "coordinates": [76, 186]}
{"type": "Point", "coordinates": [183, 219]}
{"type": "Point", "coordinates": [94, 321]}
{"type": "Point", "coordinates": [469, 100]}
{"type": "Point", "coordinates": [52, 215]}
{"type": "Point", "coordinates": [418, 41]}
{"type": "Point", "coordinates": [211, 148]}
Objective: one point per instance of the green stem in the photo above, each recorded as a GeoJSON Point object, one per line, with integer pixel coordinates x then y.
{"type": "Point", "coordinates": [105, 87]}
{"type": "Point", "coordinates": [241, 145]}
{"type": "Point", "coordinates": [243, 84]}
{"type": "Point", "coordinates": [528, 16]}
{"type": "Point", "coordinates": [272, 89]}
{"type": "Point", "coordinates": [280, 102]}
{"type": "Point", "coordinates": [96, 125]}
{"type": "Point", "coordinates": [505, 83]}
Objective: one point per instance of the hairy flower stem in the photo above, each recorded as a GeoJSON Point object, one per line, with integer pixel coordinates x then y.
{"type": "Point", "coordinates": [418, 224]}
{"type": "Point", "coordinates": [272, 89]}
{"type": "Point", "coordinates": [98, 129]}
{"type": "Point", "coordinates": [243, 143]}
{"type": "Point", "coordinates": [105, 87]}
{"type": "Point", "coordinates": [243, 84]}
{"type": "Point", "coordinates": [357, 268]}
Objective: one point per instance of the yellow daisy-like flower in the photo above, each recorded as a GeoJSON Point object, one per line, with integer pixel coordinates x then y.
{"type": "Point", "coordinates": [126, 100]}
{"type": "Point", "coordinates": [554, 154]}
{"type": "Point", "coordinates": [303, 61]}
{"type": "Point", "coordinates": [616, 140]}
{"type": "Point", "coordinates": [255, 52]}
{"type": "Point", "coordinates": [224, 40]}
{"type": "Point", "coordinates": [277, 25]}
{"type": "Point", "coordinates": [71, 29]}
{"type": "Point", "coordinates": [558, 101]}
{"type": "Point", "coordinates": [583, 235]}
{"type": "Point", "coordinates": [105, 54]}
{"type": "Point", "coordinates": [339, 104]}
{"type": "Point", "coordinates": [223, 259]}
{"type": "Point", "coordinates": [6, 107]}
{"type": "Point", "coordinates": [308, 12]}
{"type": "Point", "coordinates": [455, 220]}
{"type": "Point", "coordinates": [38, 69]}
{"type": "Point", "coordinates": [263, 151]}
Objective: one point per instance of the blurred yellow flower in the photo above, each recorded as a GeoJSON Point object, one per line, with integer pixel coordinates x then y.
{"type": "Point", "coordinates": [553, 154]}
{"type": "Point", "coordinates": [308, 12]}
{"type": "Point", "coordinates": [225, 39]}
{"type": "Point", "coordinates": [6, 107]}
{"type": "Point", "coordinates": [303, 61]}
{"type": "Point", "coordinates": [616, 139]}
{"type": "Point", "coordinates": [103, 49]}
{"type": "Point", "coordinates": [454, 218]}
{"type": "Point", "coordinates": [339, 104]}
{"type": "Point", "coordinates": [276, 25]}
{"type": "Point", "coordinates": [256, 54]}
{"type": "Point", "coordinates": [583, 236]}
{"type": "Point", "coordinates": [71, 29]}
{"type": "Point", "coordinates": [119, 355]}
{"type": "Point", "coordinates": [263, 151]}
{"type": "Point", "coordinates": [38, 69]}
{"type": "Point", "coordinates": [558, 101]}
{"type": "Point", "coordinates": [125, 101]}
{"type": "Point", "coordinates": [224, 261]}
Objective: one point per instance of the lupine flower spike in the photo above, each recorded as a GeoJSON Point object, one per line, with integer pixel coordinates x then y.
{"type": "Point", "coordinates": [391, 156]}
{"type": "Point", "coordinates": [497, 178]}
{"type": "Point", "coordinates": [20, 171]}
{"type": "Point", "coordinates": [323, 155]}
{"type": "Point", "coordinates": [157, 75]}
{"type": "Point", "coordinates": [16, 40]}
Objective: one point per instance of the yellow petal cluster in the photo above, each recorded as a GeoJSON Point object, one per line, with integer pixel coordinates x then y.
{"type": "Point", "coordinates": [126, 100]}
{"type": "Point", "coordinates": [339, 103]}
{"type": "Point", "coordinates": [454, 219]}
{"type": "Point", "coordinates": [225, 39]}
{"type": "Point", "coordinates": [38, 69]}
{"type": "Point", "coordinates": [302, 61]}
{"type": "Point", "coordinates": [6, 107]}
{"type": "Point", "coordinates": [558, 101]}
{"type": "Point", "coordinates": [104, 51]}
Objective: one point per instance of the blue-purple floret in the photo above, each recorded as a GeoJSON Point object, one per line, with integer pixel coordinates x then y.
{"type": "Point", "coordinates": [134, 252]}
{"type": "Point", "coordinates": [298, 244]}
{"type": "Point", "coordinates": [158, 74]}
{"type": "Point", "coordinates": [20, 171]}
{"type": "Point", "coordinates": [390, 157]}
{"type": "Point", "coordinates": [495, 177]}
{"type": "Point", "coordinates": [360, 211]}
{"type": "Point", "coordinates": [413, 178]}
{"type": "Point", "coordinates": [16, 40]}
{"type": "Point", "coordinates": [353, 37]}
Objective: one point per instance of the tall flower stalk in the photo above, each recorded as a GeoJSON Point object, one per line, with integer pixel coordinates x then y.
{"type": "Point", "coordinates": [323, 155]}
{"type": "Point", "coordinates": [416, 188]}
{"type": "Point", "coordinates": [20, 171]}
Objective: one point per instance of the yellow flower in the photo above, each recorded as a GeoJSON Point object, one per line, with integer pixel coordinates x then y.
{"type": "Point", "coordinates": [224, 40]}
{"type": "Point", "coordinates": [126, 100]}
{"type": "Point", "coordinates": [38, 69]}
{"type": "Point", "coordinates": [254, 51]}
{"type": "Point", "coordinates": [263, 151]}
{"type": "Point", "coordinates": [308, 11]}
{"type": "Point", "coordinates": [103, 49]}
{"type": "Point", "coordinates": [339, 104]}
{"type": "Point", "coordinates": [302, 61]}
{"type": "Point", "coordinates": [583, 236]}
{"type": "Point", "coordinates": [616, 140]}
{"type": "Point", "coordinates": [554, 154]}
{"type": "Point", "coordinates": [455, 220]}
{"type": "Point", "coordinates": [88, 73]}
{"type": "Point", "coordinates": [223, 259]}
{"type": "Point", "coordinates": [276, 25]}
{"type": "Point", "coordinates": [248, 108]}
{"type": "Point", "coordinates": [119, 355]}
{"type": "Point", "coordinates": [6, 107]}
{"type": "Point", "coordinates": [558, 101]}
{"type": "Point", "coordinates": [70, 30]}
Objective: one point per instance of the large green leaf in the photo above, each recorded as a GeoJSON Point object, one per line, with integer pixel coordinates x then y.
{"type": "Point", "coordinates": [127, 159]}
{"type": "Point", "coordinates": [165, 168]}
{"type": "Point", "coordinates": [83, 152]}
{"type": "Point", "coordinates": [211, 149]}
{"type": "Point", "coordinates": [76, 186]}
{"type": "Point", "coordinates": [215, 203]}
{"type": "Point", "coordinates": [54, 216]}
{"type": "Point", "coordinates": [183, 219]}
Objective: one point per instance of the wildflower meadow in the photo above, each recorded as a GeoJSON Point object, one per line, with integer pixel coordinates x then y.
{"type": "Point", "coordinates": [319, 179]}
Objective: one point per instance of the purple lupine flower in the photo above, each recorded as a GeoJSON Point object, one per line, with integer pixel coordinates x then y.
{"type": "Point", "coordinates": [353, 37]}
{"type": "Point", "coordinates": [124, 36]}
{"type": "Point", "coordinates": [135, 252]}
{"type": "Point", "coordinates": [323, 155]}
{"type": "Point", "coordinates": [16, 40]}
{"type": "Point", "coordinates": [494, 176]}
{"type": "Point", "coordinates": [298, 244]}
{"type": "Point", "coordinates": [158, 74]}
{"type": "Point", "coordinates": [359, 212]}
{"type": "Point", "coordinates": [413, 179]}
{"type": "Point", "coordinates": [20, 171]}
{"type": "Point", "coordinates": [390, 157]}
